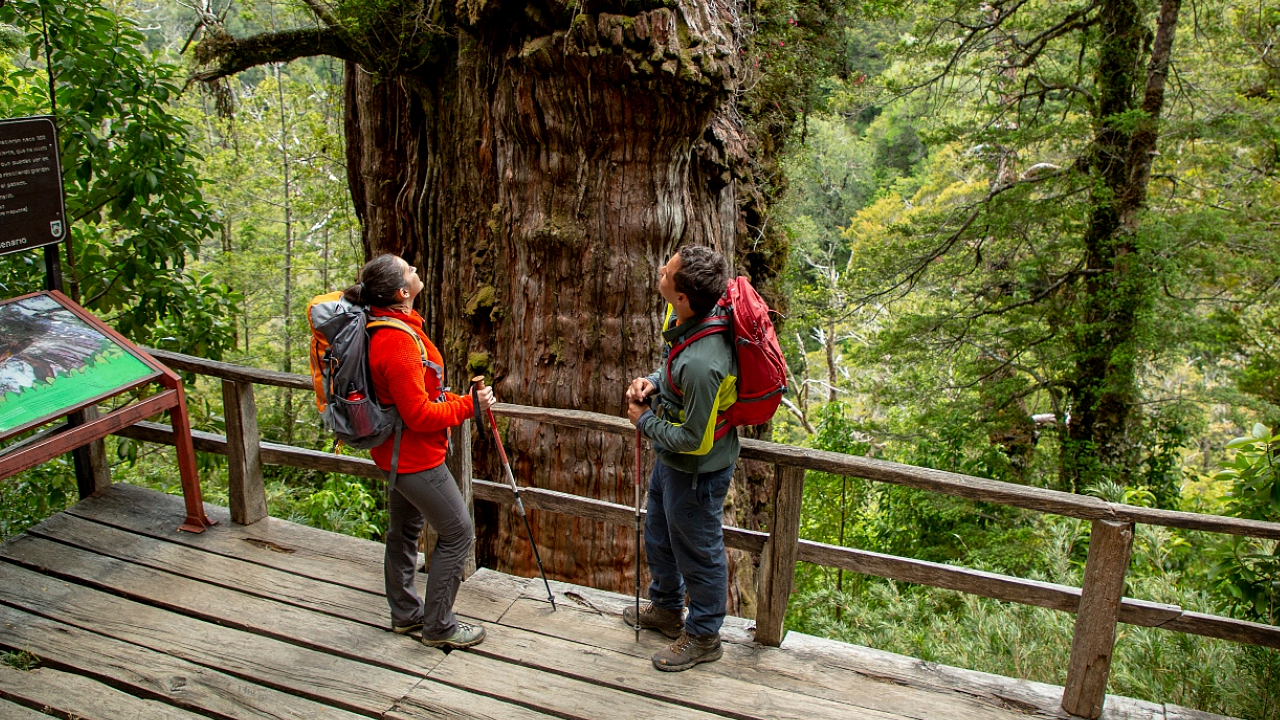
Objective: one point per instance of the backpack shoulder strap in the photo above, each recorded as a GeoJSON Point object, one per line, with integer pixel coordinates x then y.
{"type": "Point", "coordinates": [386, 322]}
{"type": "Point", "coordinates": [715, 326]}
{"type": "Point", "coordinates": [379, 323]}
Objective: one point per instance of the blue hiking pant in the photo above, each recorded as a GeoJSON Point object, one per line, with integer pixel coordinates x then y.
{"type": "Point", "coordinates": [684, 544]}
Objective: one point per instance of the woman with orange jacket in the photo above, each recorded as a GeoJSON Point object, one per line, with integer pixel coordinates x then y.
{"type": "Point", "coordinates": [424, 489]}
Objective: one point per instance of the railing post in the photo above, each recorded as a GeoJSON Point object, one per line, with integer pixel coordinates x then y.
{"type": "Point", "coordinates": [459, 462]}
{"type": "Point", "coordinates": [1110, 545]}
{"type": "Point", "coordinates": [778, 562]}
{"type": "Point", "coordinates": [246, 494]}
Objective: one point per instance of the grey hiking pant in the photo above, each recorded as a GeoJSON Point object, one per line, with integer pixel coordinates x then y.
{"type": "Point", "coordinates": [431, 496]}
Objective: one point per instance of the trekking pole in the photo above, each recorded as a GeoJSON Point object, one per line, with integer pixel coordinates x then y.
{"type": "Point", "coordinates": [637, 534]}
{"type": "Point", "coordinates": [476, 384]}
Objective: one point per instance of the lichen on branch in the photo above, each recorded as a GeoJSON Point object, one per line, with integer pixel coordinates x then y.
{"type": "Point", "coordinates": [229, 55]}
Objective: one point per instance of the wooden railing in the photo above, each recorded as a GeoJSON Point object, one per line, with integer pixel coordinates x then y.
{"type": "Point", "coordinates": [1099, 605]}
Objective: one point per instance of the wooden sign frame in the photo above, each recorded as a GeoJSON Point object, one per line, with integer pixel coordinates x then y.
{"type": "Point", "coordinates": [42, 448]}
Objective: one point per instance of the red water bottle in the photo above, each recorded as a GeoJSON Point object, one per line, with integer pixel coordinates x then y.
{"type": "Point", "coordinates": [358, 414]}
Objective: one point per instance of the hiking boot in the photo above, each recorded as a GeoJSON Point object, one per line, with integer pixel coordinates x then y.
{"type": "Point", "coordinates": [464, 637]}
{"type": "Point", "coordinates": [688, 651]}
{"type": "Point", "coordinates": [406, 629]}
{"type": "Point", "coordinates": [667, 622]}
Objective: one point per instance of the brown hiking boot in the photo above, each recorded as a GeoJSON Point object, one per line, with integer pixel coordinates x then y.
{"type": "Point", "coordinates": [667, 622]}
{"type": "Point", "coordinates": [688, 651]}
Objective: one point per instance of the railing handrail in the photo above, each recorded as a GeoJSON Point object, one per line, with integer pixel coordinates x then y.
{"type": "Point", "coordinates": [1099, 605]}
{"type": "Point", "coordinates": [1006, 588]}
{"type": "Point", "coordinates": [1055, 502]}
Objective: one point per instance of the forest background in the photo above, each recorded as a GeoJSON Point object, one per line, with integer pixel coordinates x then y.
{"type": "Point", "coordinates": [931, 292]}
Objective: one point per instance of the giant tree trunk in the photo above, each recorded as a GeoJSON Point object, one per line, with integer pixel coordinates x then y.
{"type": "Point", "coordinates": [540, 177]}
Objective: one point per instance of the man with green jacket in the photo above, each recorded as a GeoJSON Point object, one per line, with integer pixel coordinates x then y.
{"type": "Point", "coordinates": [683, 536]}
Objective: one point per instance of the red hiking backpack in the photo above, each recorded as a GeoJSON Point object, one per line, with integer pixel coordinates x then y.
{"type": "Point", "coordinates": [762, 371]}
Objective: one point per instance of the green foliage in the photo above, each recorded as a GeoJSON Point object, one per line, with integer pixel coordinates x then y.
{"type": "Point", "coordinates": [20, 660]}
{"type": "Point", "coordinates": [29, 497]}
{"type": "Point", "coordinates": [1255, 485]}
{"type": "Point", "coordinates": [1245, 569]}
{"type": "Point", "coordinates": [11, 39]}
{"type": "Point", "coordinates": [277, 182]}
{"type": "Point", "coordinates": [905, 521]}
{"type": "Point", "coordinates": [1034, 643]}
{"type": "Point", "coordinates": [964, 279]}
{"type": "Point", "coordinates": [345, 506]}
{"type": "Point", "coordinates": [133, 196]}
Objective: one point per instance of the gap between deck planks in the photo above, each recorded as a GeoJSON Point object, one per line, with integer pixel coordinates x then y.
{"type": "Point", "coordinates": [13, 711]}
{"type": "Point", "coordinates": [293, 582]}
{"type": "Point", "coordinates": [71, 695]}
{"type": "Point", "coordinates": [154, 674]}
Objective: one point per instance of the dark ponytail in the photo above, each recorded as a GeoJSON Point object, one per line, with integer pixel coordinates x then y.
{"type": "Point", "coordinates": [380, 279]}
{"type": "Point", "coordinates": [354, 294]}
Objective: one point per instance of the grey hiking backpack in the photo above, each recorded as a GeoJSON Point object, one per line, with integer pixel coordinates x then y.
{"type": "Point", "coordinates": [343, 381]}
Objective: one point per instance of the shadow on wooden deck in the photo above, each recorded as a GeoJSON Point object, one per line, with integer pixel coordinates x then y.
{"type": "Point", "coordinates": [131, 619]}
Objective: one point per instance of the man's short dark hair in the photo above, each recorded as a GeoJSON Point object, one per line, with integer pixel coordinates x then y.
{"type": "Point", "coordinates": [703, 277]}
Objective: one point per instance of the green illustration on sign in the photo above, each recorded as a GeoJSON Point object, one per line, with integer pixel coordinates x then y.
{"type": "Point", "coordinates": [52, 361]}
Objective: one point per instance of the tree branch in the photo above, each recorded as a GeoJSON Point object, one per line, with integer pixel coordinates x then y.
{"type": "Point", "coordinates": [231, 55]}
{"type": "Point", "coordinates": [791, 407]}
{"type": "Point", "coordinates": [1073, 22]}
{"type": "Point", "coordinates": [1046, 292]}
{"type": "Point", "coordinates": [909, 276]}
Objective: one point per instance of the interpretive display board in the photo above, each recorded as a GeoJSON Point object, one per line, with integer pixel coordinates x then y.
{"type": "Point", "coordinates": [54, 361]}
{"type": "Point", "coordinates": [32, 210]}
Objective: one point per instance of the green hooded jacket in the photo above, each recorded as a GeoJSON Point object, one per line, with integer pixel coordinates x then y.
{"type": "Point", "coordinates": [683, 428]}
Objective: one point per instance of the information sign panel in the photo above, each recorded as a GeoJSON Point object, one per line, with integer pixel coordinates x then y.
{"type": "Point", "coordinates": [54, 360]}
{"type": "Point", "coordinates": [32, 212]}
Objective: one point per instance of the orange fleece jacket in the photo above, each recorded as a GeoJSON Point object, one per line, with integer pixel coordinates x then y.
{"type": "Point", "coordinates": [400, 378]}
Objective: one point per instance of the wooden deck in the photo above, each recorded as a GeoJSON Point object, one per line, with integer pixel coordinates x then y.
{"type": "Point", "coordinates": [131, 619]}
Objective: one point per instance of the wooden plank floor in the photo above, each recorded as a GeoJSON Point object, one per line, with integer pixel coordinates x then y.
{"type": "Point", "coordinates": [131, 619]}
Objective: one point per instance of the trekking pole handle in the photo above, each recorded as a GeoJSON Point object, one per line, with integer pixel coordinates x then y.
{"type": "Point", "coordinates": [477, 384]}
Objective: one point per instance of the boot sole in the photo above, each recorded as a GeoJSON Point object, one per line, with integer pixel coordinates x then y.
{"type": "Point", "coordinates": [672, 633]}
{"type": "Point", "coordinates": [719, 653]}
{"type": "Point", "coordinates": [453, 645]}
